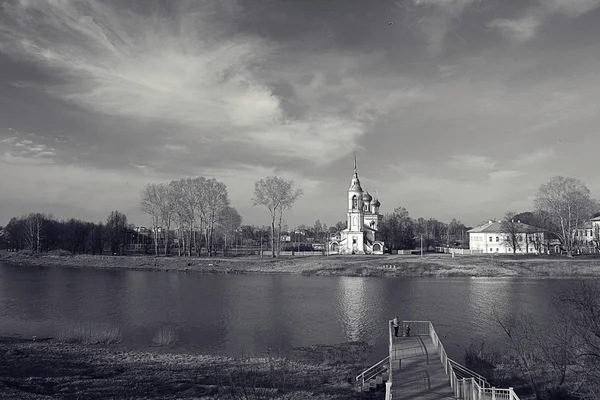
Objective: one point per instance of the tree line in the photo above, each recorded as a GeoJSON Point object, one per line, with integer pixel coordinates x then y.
{"type": "Point", "coordinates": [39, 233]}
{"type": "Point", "coordinates": [195, 213]}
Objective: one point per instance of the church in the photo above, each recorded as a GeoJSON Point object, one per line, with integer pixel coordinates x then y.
{"type": "Point", "coordinates": [363, 220]}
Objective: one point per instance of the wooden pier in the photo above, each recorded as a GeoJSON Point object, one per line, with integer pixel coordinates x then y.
{"type": "Point", "coordinates": [418, 368]}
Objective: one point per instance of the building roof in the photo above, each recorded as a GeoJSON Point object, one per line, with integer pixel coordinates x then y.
{"type": "Point", "coordinates": [367, 197]}
{"type": "Point", "coordinates": [496, 227]}
{"type": "Point", "coordinates": [596, 219]}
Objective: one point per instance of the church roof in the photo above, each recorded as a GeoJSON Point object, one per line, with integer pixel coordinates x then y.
{"type": "Point", "coordinates": [367, 197]}
{"type": "Point", "coordinates": [375, 202]}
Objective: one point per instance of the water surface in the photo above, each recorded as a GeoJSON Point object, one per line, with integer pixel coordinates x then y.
{"type": "Point", "coordinates": [242, 314]}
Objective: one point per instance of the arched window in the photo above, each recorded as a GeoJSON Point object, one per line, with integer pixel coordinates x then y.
{"type": "Point", "coordinates": [354, 202]}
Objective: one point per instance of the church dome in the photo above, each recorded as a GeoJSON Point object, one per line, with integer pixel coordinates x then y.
{"type": "Point", "coordinates": [367, 197]}
{"type": "Point", "coordinates": [375, 202]}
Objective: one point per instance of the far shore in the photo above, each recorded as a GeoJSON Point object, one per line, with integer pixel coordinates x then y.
{"type": "Point", "coordinates": [430, 265]}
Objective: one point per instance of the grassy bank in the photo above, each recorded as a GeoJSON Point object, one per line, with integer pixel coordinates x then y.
{"type": "Point", "coordinates": [49, 369]}
{"type": "Point", "coordinates": [440, 265]}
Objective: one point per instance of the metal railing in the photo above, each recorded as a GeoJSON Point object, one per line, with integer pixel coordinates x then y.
{"type": "Point", "coordinates": [373, 371]}
{"type": "Point", "coordinates": [468, 385]}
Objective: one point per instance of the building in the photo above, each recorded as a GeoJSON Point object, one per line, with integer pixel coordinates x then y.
{"type": "Point", "coordinates": [363, 220]}
{"type": "Point", "coordinates": [596, 227]}
{"type": "Point", "coordinates": [491, 238]}
{"type": "Point", "coordinates": [585, 235]}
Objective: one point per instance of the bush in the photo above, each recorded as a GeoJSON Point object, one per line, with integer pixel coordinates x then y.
{"type": "Point", "coordinates": [165, 337]}
{"type": "Point", "coordinates": [89, 333]}
{"type": "Point", "coordinates": [482, 360]}
{"type": "Point", "coordinates": [59, 252]}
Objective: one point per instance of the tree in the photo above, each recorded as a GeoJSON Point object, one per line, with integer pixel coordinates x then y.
{"type": "Point", "coordinates": [215, 200]}
{"type": "Point", "coordinates": [397, 229]}
{"type": "Point", "coordinates": [151, 205]}
{"type": "Point", "coordinates": [318, 228]}
{"type": "Point", "coordinates": [34, 230]}
{"type": "Point", "coordinates": [568, 203]}
{"type": "Point", "coordinates": [341, 225]}
{"type": "Point", "coordinates": [277, 195]}
{"type": "Point", "coordinates": [116, 228]}
{"type": "Point", "coordinates": [4, 237]}
{"type": "Point", "coordinates": [230, 220]}
{"type": "Point", "coordinates": [512, 229]}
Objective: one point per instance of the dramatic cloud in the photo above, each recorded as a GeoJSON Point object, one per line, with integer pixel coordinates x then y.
{"type": "Point", "coordinates": [187, 69]}
{"type": "Point", "coordinates": [450, 119]}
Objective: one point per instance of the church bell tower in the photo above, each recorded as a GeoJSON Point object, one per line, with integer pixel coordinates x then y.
{"type": "Point", "coordinates": [355, 203]}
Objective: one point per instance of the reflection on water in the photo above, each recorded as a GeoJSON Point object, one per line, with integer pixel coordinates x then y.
{"type": "Point", "coordinates": [239, 314]}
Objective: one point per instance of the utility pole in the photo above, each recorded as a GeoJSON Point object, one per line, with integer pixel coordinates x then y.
{"type": "Point", "coordinates": [421, 245]}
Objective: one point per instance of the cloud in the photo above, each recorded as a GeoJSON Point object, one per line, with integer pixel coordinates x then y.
{"type": "Point", "coordinates": [522, 29]}
{"type": "Point", "coordinates": [436, 18]}
{"type": "Point", "coordinates": [472, 162]}
{"type": "Point", "coordinates": [536, 157]}
{"type": "Point", "coordinates": [527, 26]}
{"type": "Point", "coordinates": [188, 70]}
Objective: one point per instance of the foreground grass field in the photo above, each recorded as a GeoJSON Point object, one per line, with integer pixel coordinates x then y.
{"type": "Point", "coordinates": [435, 265]}
{"type": "Point", "coordinates": [52, 370]}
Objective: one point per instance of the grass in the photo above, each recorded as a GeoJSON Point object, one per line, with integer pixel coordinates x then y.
{"type": "Point", "coordinates": [89, 333]}
{"type": "Point", "coordinates": [165, 337]}
{"type": "Point", "coordinates": [50, 369]}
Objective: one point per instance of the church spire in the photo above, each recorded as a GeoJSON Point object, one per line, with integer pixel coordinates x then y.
{"type": "Point", "coordinates": [355, 184]}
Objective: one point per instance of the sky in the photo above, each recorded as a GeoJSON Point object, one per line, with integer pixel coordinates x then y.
{"type": "Point", "coordinates": [455, 108]}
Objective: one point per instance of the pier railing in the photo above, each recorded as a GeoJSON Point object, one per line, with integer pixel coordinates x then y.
{"type": "Point", "coordinates": [466, 384]}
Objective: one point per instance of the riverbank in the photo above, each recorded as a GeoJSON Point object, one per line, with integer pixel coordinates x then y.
{"type": "Point", "coordinates": [35, 370]}
{"type": "Point", "coordinates": [432, 265]}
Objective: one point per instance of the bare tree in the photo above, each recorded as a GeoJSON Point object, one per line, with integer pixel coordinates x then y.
{"type": "Point", "coordinates": [215, 200]}
{"type": "Point", "coordinates": [167, 211]}
{"type": "Point", "coordinates": [569, 205]}
{"type": "Point", "coordinates": [33, 231]}
{"type": "Point", "coordinates": [583, 314]}
{"type": "Point", "coordinates": [513, 231]}
{"type": "Point", "coordinates": [116, 228]}
{"type": "Point", "coordinates": [151, 205]}
{"type": "Point", "coordinates": [277, 195]}
{"type": "Point", "coordinates": [5, 236]}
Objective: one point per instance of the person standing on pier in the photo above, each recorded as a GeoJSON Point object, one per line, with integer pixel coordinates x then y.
{"type": "Point", "coordinates": [396, 325]}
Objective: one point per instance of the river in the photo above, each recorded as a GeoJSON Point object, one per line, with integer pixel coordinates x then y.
{"type": "Point", "coordinates": [249, 314]}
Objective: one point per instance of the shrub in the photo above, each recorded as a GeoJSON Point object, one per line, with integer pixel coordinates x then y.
{"type": "Point", "coordinates": [59, 252]}
{"type": "Point", "coordinates": [165, 337]}
{"type": "Point", "coordinates": [89, 333]}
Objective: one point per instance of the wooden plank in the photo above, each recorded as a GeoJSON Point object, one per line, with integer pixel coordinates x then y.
{"type": "Point", "coordinates": [416, 378]}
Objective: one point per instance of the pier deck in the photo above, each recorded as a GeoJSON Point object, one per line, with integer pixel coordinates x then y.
{"type": "Point", "coordinates": [416, 378]}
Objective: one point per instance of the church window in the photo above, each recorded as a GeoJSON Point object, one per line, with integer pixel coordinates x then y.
{"type": "Point", "coordinates": [354, 202]}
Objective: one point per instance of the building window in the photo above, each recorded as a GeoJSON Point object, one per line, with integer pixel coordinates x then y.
{"type": "Point", "coordinates": [490, 238]}
{"type": "Point", "coordinates": [354, 202]}
{"type": "Point", "coordinates": [497, 239]}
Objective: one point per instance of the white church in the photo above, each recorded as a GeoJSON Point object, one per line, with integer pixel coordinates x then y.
{"type": "Point", "coordinates": [363, 220]}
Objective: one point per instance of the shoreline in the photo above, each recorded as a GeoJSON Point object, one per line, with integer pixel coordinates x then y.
{"type": "Point", "coordinates": [45, 369]}
{"type": "Point", "coordinates": [430, 265]}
